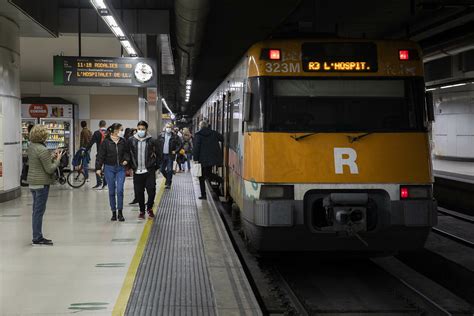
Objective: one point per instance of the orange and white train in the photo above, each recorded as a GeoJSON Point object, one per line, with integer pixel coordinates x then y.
{"type": "Point", "coordinates": [327, 145]}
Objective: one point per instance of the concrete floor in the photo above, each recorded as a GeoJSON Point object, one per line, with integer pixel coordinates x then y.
{"type": "Point", "coordinates": [83, 271]}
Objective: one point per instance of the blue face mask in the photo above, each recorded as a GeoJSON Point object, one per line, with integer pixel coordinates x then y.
{"type": "Point", "coordinates": [141, 134]}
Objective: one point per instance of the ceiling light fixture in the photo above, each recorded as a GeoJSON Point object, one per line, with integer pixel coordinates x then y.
{"type": "Point", "coordinates": [99, 4]}
{"type": "Point", "coordinates": [453, 85]}
{"type": "Point", "coordinates": [105, 11]}
{"type": "Point", "coordinates": [167, 107]}
{"type": "Point", "coordinates": [189, 83]}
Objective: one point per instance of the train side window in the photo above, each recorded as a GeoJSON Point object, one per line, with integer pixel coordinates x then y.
{"type": "Point", "coordinates": [235, 118]}
{"type": "Point", "coordinates": [258, 87]}
{"type": "Point", "coordinates": [219, 117]}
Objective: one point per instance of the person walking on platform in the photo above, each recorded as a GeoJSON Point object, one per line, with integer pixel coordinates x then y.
{"type": "Point", "coordinates": [84, 140]}
{"type": "Point", "coordinates": [208, 153]}
{"type": "Point", "coordinates": [40, 176]}
{"type": "Point", "coordinates": [180, 155]}
{"type": "Point", "coordinates": [114, 155]}
{"type": "Point", "coordinates": [170, 145]}
{"type": "Point", "coordinates": [97, 138]}
{"type": "Point", "coordinates": [130, 132]}
{"type": "Point", "coordinates": [188, 146]}
{"type": "Point", "coordinates": [145, 156]}
{"type": "Point", "coordinates": [24, 170]}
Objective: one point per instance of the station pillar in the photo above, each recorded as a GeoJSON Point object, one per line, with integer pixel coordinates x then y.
{"type": "Point", "coordinates": [10, 105]}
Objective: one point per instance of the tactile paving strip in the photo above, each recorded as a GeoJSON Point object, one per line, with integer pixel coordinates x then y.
{"type": "Point", "coordinates": [172, 278]}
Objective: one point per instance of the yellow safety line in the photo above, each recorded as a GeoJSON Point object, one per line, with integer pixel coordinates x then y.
{"type": "Point", "coordinates": [122, 300]}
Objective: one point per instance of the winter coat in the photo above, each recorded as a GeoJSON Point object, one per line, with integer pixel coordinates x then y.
{"type": "Point", "coordinates": [187, 144]}
{"type": "Point", "coordinates": [206, 148]}
{"type": "Point", "coordinates": [86, 137]}
{"type": "Point", "coordinates": [174, 144]}
{"type": "Point", "coordinates": [153, 152]}
{"type": "Point", "coordinates": [41, 165]}
{"type": "Point", "coordinates": [112, 154]}
{"type": "Point", "coordinates": [97, 138]}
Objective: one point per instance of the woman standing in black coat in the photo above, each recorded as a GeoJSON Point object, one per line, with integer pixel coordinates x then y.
{"type": "Point", "coordinates": [208, 153]}
{"type": "Point", "coordinates": [114, 156]}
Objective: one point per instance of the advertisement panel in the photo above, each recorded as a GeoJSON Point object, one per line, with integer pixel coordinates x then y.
{"type": "Point", "coordinates": [46, 110]}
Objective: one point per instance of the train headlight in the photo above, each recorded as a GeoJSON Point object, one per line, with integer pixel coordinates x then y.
{"type": "Point", "coordinates": [277, 192]}
{"type": "Point", "coordinates": [415, 192]}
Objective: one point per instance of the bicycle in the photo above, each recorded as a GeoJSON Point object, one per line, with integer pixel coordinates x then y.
{"type": "Point", "coordinates": [75, 178]}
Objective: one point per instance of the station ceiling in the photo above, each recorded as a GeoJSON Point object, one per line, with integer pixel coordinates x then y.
{"type": "Point", "coordinates": [232, 26]}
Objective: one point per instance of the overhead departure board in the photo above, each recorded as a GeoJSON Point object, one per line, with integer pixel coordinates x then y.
{"type": "Point", "coordinates": [339, 57]}
{"type": "Point", "coordinates": [104, 71]}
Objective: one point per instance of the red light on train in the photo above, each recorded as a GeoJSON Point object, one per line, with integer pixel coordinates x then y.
{"type": "Point", "coordinates": [404, 54]}
{"type": "Point", "coordinates": [274, 54]}
{"type": "Point", "coordinates": [404, 193]}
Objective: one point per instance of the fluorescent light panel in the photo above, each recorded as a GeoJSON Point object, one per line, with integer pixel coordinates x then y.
{"type": "Point", "coordinates": [101, 5]}
{"type": "Point", "coordinates": [453, 85]}
{"type": "Point", "coordinates": [166, 106]}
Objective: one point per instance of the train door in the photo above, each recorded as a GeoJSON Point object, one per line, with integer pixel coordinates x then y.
{"type": "Point", "coordinates": [226, 129]}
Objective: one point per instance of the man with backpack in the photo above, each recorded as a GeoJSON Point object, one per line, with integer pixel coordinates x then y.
{"type": "Point", "coordinates": [97, 138]}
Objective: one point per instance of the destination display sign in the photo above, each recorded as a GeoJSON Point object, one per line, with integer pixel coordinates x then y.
{"type": "Point", "coordinates": [104, 71]}
{"type": "Point", "coordinates": [339, 57]}
{"type": "Point", "coordinates": [338, 66]}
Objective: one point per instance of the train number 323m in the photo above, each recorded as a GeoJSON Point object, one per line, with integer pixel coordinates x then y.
{"type": "Point", "coordinates": [282, 67]}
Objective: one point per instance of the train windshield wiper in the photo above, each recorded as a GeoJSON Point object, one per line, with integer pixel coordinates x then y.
{"type": "Point", "coordinates": [297, 138]}
{"type": "Point", "coordinates": [357, 138]}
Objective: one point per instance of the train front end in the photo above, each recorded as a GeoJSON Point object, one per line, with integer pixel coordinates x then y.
{"type": "Point", "coordinates": [335, 153]}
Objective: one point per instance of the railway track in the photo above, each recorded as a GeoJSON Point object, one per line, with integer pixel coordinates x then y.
{"type": "Point", "coordinates": [303, 284]}
{"type": "Point", "coordinates": [452, 236]}
{"type": "Point", "coordinates": [369, 287]}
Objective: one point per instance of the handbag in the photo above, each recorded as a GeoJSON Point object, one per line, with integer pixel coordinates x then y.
{"type": "Point", "coordinates": [196, 170]}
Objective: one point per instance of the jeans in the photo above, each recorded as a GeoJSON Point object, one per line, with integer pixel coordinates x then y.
{"type": "Point", "coordinates": [167, 168]}
{"type": "Point", "coordinates": [188, 162]}
{"type": "Point", "coordinates": [140, 183]}
{"type": "Point", "coordinates": [85, 168]}
{"type": "Point", "coordinates": [115, 177]}
{"type": "Point", "coordinates": [40, 197]}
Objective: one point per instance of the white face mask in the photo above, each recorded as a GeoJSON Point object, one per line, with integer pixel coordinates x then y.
{"type": "Point", "coordinates": [141, 133]}
{"type": "Point", "coordinates": [121, 133]}
{"type": "Point", "coordinates": [168, 130]}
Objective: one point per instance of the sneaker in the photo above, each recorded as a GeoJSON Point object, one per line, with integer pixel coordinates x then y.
{"type": "Point", "coordinates": [133, 202]}
{"type": "Point", "coordinates": [202, 197]}
{"type": "Point", "coordinates": [141, 215]}
{"type": "Point", "coordinates": [150, 213]}
{"type": "Point", "coordinates": [43, 242]}
{"type": "Point", "coordinates": [96, 186]}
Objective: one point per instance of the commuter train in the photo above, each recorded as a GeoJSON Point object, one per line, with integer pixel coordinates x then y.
{"type": "Point", "coordinates": [326, 145]}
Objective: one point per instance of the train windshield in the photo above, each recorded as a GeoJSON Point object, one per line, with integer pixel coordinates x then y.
{"type": "Point", "coordinates": [345, 105]}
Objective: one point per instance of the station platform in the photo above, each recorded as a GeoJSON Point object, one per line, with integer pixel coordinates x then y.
{"type": "Point", "coordinates": [454, 185]}
{"type": "Point", "coordinates": [181, 263]}
{"type": "Point", "coordinates": [456, 170]}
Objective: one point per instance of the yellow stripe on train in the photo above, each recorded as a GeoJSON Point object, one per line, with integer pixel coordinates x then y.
{"type": "Point", "coordinates": [337, 158]}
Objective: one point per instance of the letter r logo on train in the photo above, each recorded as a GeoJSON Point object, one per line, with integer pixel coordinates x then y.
{"type": "Point", "coordinates": [345, 157]}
